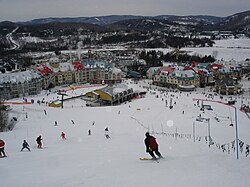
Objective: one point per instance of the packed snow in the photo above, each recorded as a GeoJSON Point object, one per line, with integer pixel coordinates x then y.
{"type": "Point", "coordinates": [93, 160]}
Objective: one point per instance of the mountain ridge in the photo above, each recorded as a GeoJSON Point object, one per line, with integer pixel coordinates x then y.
{"type": "Point", "coordinates": [236, 22]}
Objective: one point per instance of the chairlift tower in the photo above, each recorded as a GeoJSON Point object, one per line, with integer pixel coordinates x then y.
{"type": "Point", "coordinates": [62, 94]}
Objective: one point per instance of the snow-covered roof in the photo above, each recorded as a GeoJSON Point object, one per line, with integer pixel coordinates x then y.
{"type": "Point", "coordinates": [17, 77]}
{"type": "Point", "coordinates": [115, 89]}
{"type": "Point", "coordinates": [63, 67]}
{"type": "Point", "coordinates": [184, 74]}
{"type": "Point", "coordinates": [153, 69]}
{"type": "Point", "coordinates": [116, 70]}
{"type": "Point", "coordinates": [120, 88]}
{"type": "Point", "coordinates": [66, 66]}
{"type": "Point", "coordinates": [94, 64]}
{"type": "Point", "coordinates": [103, 65]}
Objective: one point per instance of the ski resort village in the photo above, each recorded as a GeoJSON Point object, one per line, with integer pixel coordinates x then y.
{"type": "Point", "coordinates": [125, 101]}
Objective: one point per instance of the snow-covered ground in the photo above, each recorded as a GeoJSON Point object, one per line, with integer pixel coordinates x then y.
{"type": "Point", "coordinates": [228, 49]}
{"type": "Point", "coordinates": [30, 39]}
{"type": "Point", "coordinates": [93, 160]}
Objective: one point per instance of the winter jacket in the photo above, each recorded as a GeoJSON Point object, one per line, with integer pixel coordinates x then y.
{"type": "Point", "coordinates": [39, 140]}
{"type": "Point", "coordinates": [2, 144]}
{"type": "Point", "coordinates": [25, 144]}
{"type": "Point", "coordinates": [151, 143]}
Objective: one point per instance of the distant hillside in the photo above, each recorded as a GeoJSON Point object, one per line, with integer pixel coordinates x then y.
{"type": "Point", "coordinates": [7, 24]}
{"type": "Point", "coordinates": [239, 21]}
{"type": "Point", "coordinates": [99, 20]}
{"type": "Point", "coordinates": [107, 20]}
{"type": "Point", "coordinates": [236, 22]}
{"type": "Point", "coordinates": [58, 28]}
{"type": "Point", "coordinates": [192, 20]}
{"type": "Point", "coordinates": [6, 27]}
{"type": "Point", "coordinates": [143, 24]}
{"type": "Point", "coordinates": [128, 30]}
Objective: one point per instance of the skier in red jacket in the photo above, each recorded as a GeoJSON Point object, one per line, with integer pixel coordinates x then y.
{"type": "Point", "coordinates": [151, 146]}
{"type": "Point", "coordinates": [2, 144]}
{"type": "Point", "coordinates": [63, 136]}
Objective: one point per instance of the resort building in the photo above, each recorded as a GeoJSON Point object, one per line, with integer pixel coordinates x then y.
{"type": "Point", "coordinates": [171, 77]}
{"type": "Point", "coordinates": [54, 73]}
{"type": "Point", "coordinates": [20, 84]}
{"type": "Point", "coordinates": [110, 95]}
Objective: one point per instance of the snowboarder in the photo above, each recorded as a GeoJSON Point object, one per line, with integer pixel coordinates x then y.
{"type": "Point", "coordinates": [72, 121]}
{"type": "Point", "coordinates": [63, 136]}
{"type": "Point", "coordinates": [2, 144]}
{"type": "Point", "coordinates": [39, 142]}
{"type": "Point", "coordinates": [107, 133]}
{"type": "Point", "coordinates": [151, 146]}
{"type": "Point", "coordinates": [25, 145]}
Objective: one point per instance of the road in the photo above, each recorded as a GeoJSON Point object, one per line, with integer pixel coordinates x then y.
{"type": "Point", "coordinates": [15, 45]}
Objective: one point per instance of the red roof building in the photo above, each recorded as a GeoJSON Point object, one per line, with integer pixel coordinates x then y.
{"type": "Point", "coordinates": [44, 70]}
{"type": "Point", "coordinates": [166, 70]}
{"type": "Point", "coordinates": [78, 66]}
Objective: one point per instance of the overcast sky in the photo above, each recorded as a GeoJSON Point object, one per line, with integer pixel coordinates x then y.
{"type": "Point", "coordinates": [24, 10]}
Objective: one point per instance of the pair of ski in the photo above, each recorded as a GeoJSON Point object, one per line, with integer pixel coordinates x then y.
{"type": "Point", "coordinates": [152, 159]}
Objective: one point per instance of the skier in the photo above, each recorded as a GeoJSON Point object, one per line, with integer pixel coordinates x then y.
{"type": "Point", "coordinates": [107, 133]}
{"type": "Point", "coordinates": [63, 136]}
{"type": "Point", "coordinates": [2, 144]}
{"type": "Point", "coordinates": [39, 142]}
{"type": "Point", "coordinates": [151, 146]}
{"type": "Point", "coordinates": [89, 132]}
{"type": "Point", "coordinates": [25, 145]}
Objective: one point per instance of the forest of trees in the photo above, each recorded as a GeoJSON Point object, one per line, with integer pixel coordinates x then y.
{"type": "Point", "coordinates": [154, 58]}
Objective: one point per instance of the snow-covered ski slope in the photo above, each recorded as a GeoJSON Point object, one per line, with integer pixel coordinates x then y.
{"type": "Point", "coordinates": [94, 161]}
